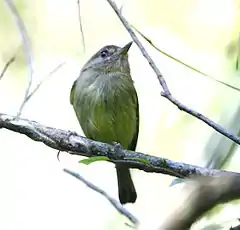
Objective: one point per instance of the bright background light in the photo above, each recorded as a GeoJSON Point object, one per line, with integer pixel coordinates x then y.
{"type": "Point", "coordinates": [35, 193]}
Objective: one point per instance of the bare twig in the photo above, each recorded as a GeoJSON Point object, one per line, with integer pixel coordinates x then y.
{"type": "Point", "coordinates": [224, 149]}
{"type": "Point", "coordinates": [80, 25]}
{"type": "Point", "coordinates": [10, 61]}
{"type": "Point", "coordinates": [186, 65]}
{"type": "Point", "coordinates": [77, 145]}
{"type": "Point", "coordinates": [203, 118]}
{"type": "Point", "coordinates": [166, 93]}
{"type": "Point", "coordinates": [205, 194]}
{"type": "Point", "coordinates": [26, 47]}
{"type": "Point", "coordinates": [114, 202]}
{"type": "Point", "coordinates": [42, 81]}
{"type": "Point", "coordinates": [139, 44]}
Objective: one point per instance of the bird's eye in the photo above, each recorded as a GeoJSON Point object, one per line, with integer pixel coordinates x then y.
{"type": "Point", "coordinates": [104, 53]}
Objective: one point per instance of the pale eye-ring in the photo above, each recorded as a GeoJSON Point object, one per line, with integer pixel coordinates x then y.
{"type": "Point", "coordinates": [104, 53]}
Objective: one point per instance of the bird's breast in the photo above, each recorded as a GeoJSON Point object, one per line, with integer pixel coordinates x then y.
{"type": "Point", "coordinates": [107, 109]}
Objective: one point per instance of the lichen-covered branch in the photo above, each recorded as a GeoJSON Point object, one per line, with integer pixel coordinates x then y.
{"type": "Point", "coordinates": [75, 144]}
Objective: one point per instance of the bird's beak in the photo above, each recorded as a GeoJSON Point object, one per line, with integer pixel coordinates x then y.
{"type": "Point", "coordinates": [124, 50]}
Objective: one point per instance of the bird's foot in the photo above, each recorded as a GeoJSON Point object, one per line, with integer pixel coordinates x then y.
{"type": "Point", "coordinates": [116, 146]}
{"type": "Point", "coordinates": [117, 150]}
{"type": "Point", "coordinates": [68, 135]}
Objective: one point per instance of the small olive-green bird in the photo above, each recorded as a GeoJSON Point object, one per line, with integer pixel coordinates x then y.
{"type": "Point", "coordinates": [106, 104]}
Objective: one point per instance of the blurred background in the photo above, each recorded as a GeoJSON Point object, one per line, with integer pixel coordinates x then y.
{"type": "Point", "coordinates": [35, 193]}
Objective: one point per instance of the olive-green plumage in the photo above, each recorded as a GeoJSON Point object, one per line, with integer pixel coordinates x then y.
{"type": "Point", "coordinates": [106, 104]}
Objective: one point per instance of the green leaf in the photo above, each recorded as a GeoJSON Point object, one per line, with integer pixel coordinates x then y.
{"type": "Point", "coordinates": [90, 160]}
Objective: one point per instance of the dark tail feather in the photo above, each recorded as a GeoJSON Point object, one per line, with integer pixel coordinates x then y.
{"type": "Point", "coordinates": [126, 189]}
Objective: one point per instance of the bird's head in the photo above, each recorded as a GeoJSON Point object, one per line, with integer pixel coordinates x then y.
{"type": "Point", "coordinates": [110, 58]}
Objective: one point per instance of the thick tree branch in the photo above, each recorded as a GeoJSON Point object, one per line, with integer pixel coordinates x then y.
{"type": "Point", "coordinates": [114, 202]}
{"type": "Point", "coordinates": [203, 194]}
{"type": "Point", "coordinates": [166, 92]}
{"type": "Point", "coordinates": [78, 145]}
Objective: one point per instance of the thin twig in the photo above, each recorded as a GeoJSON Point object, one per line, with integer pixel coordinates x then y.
{"type": "Point", "coordinates": [166, 93]}
{"type": "Point", "coordinates": [43, 80]}
{"type": "Point", "coordinates": [139, 44]}
{"type": "Point", "coordinates": [26, 46]}
{"type": "Point", "coordinates": [80, 25]}
{"type": "Point", "coordinates": [179, 61]}
{"type": "Point", "coordinates": [114, 202]}
{"type": "Point", "coordinates": [10, 61]}
{"type": "Point", "coordinates": [203, 118]}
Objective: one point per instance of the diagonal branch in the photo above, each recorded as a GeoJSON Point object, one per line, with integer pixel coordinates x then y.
{"type": "Point", "coordinates": [204, 194]}
{"type": "Point", "coordinates": [114, 202]}
{"type": "Point", "coordinates": [78, 145]}
{"type": "Point", "coordinates": [166, 92]}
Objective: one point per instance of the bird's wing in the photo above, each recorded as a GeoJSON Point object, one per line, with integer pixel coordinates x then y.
{"type": "Point", "coordinates": [133, 143]}
{"type": "Point", "coordinates": [72, 92]}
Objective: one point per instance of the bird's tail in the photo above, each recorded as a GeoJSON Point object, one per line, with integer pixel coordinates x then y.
{"type": "Point", "coordinates": [126, 189]}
